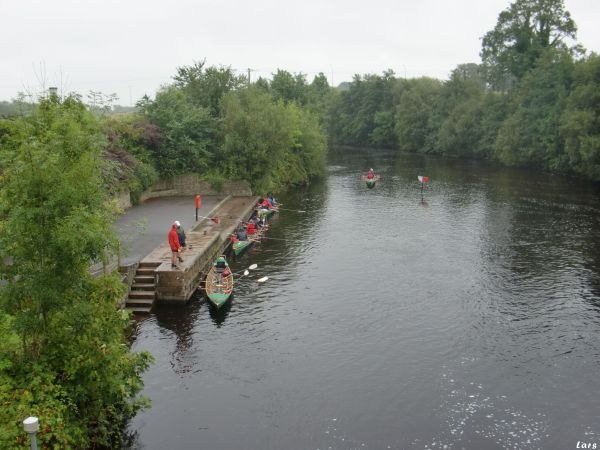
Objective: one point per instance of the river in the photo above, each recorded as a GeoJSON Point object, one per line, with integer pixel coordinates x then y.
{"type": "Point", "coordinates": [463, 316]}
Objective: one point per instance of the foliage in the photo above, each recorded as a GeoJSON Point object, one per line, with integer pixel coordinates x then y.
{"type": "Point", "coordinates": [15, 107]}
{"type": "Point", "coordinates": [268, 143]}
{"type": "Point", "coordinates": [531, 134]}
{"type": "Point", "coordinates": [363, 115]}
{"type": "Point", "coordinates": [128, 153]}
{"type": "Point", "coordinates": [187, 131]}
{"type": "Point", "coordinates": [209, 121]}
{"type": "Point", "coordinates": [580, 121]}
{"type": "Point", "coordinates": [523, 32]}
{"type": "Point", "coordinates": [62, 354]}
{"type": "Point", "coordinates": [414, 110]}
{"type": "Point", "coordinates": [458, 113]}
{"type": "Point", "coordinates": [204, 87]}
{"type": "Point", "coordinates": [289, 88]}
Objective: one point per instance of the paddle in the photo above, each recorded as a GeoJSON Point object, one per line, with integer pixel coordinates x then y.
{"type": "Point", "coordinates": [246, 271]}
{"type": "Point", "coordinates": [294, 210]}
{"type": "Point", "coordinates": [274, 239]}
{"type": "Point", "coordinates": [260, 280]}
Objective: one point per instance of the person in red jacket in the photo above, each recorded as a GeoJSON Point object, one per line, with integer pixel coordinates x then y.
{"type": "Point", "coordinates": [371, 174]}
{"type": "Point", "coordinates": [250, 228]}
{"type": "Point", "coordinates": [266, 203]}
{"type": "Point", "coordinates": [174, 244]}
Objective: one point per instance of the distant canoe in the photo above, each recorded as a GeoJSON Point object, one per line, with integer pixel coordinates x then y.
{"type": "Point", "coordinates": [371, 183]}
{"type": "Point", "coordinates": [218, 287]}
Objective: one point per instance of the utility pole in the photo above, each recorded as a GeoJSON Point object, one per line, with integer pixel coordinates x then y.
{"type": "Point", "coordinates": [250, 70]}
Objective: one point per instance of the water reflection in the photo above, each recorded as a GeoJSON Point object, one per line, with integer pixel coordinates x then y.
{"type": "Point", "coordinates": [177, 325]}
{"type": "Point", "coordinates": [218, 315]}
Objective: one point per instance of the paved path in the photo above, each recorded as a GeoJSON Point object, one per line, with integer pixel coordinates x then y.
{"type": "Point", "coordinates": [144, 227]}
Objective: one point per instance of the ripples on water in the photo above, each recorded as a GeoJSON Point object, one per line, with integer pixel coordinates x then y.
{"type": "Point", "coordinates": [463, 317]}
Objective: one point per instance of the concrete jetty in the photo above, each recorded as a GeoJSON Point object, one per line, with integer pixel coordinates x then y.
{"type": "Point", "coordinates": [153, 280]}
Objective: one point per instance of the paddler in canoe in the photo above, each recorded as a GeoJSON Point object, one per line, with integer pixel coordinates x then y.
{"type": "Point", "coordinates": [265, 208]}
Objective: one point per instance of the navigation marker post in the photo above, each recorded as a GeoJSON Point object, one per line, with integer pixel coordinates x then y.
{"type": "Point", "coordinates": [198, 204]}
{"type": "Point", "coordinates": [422, 179]}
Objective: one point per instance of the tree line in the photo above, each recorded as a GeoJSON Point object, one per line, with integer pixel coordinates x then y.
{"type": "Point", "coordinates": [215, 123]}
{"type": "Point", "coordinates": [532, 101]}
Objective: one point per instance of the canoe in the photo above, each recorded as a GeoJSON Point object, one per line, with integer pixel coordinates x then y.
{"type": "Point", "coordinates": [218, 288]}
{"type": "Point", "coordinates": [240, 246]}
{"type": "Point", "coordinates": [371, 183]}
{"type": "Point", "coordinates": [266, 213]}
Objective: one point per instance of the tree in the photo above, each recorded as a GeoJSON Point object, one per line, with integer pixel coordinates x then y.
{"type": "Point", "coordinates": [188, 131]}
{"type": "Point", "coordinates": [522, 33]}
{"type": "Point", "coordinates": [414, 110]}
{"type": "Point", "coordinates": [530, 136]}
{"type": "Point", "coordinates": [458, 113]}
{"type": "Point", "coordinates": [580, 122]}
{"type": "Point", "coordinates": [206, 86]}
{"type": "Point", "coordinates": [289, 87]}
{"type": "Point", "coordinates": [63, 354]}
{"type": "Point", "coordinates": [269, 143]}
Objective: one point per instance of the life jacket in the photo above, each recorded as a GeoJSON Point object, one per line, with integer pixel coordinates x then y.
{"type": "Point", "coordinates": [370, 175]}
{"type": "Point", "coordinates": [251, 228]}
{"type": "Point", "coordinates": [266, 204]}
{"type": "Point", "coordinates": [220, 266]}
{"type": "Point", "coordinates": [174, 239]}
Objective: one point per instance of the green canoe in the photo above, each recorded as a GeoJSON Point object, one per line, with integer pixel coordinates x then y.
{"type": "Point", "coordinates": [240, 246]}
{"type": "Point", "coordinates": [218, 287]}
{"type": "Point", "coordinates": [266, 213]}
{"type": "Point", "coordinates": [371, 183]}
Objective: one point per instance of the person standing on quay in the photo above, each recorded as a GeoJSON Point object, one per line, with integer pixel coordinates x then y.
{"type": "Point", "coordinates": [180, 234]}
{"type": "Point", "coordinates": [174, 244]}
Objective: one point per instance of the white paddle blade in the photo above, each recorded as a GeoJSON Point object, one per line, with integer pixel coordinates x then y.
{"type": "Point", "coordinates": [262, 280]}
{"type": "Point", "coordinates": [253, 266]}
{"type": "Point", "coordinates": [246, 272]}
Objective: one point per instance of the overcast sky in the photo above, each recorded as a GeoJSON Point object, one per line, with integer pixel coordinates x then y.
{"type": "Point", "coordinates": [132, 47]}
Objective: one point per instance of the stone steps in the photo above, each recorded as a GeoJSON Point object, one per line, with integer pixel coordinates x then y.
{"type": "Point", "coordinates": [143, 290]}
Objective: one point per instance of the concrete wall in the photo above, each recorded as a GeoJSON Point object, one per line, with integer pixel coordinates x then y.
{"type": "Point", "coordinates": [177, 286]}
{"type": "Point", "coordinates": [127, 275]}
{"type": "Point", "coordinates": [191, 184]}
{"type": "Point", "coordinates": [124, 199]}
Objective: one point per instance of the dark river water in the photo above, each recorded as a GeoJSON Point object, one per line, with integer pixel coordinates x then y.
{"type": "Point", "coordinates": [467, 316]}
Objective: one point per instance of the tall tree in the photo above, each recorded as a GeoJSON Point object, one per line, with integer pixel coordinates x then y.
{"type": "Point", "coordinates": [522, 32]}
{"type": "Point", "coordinates": [63, 354]}
{"type": "Point", "coordinates": [205, 86]}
